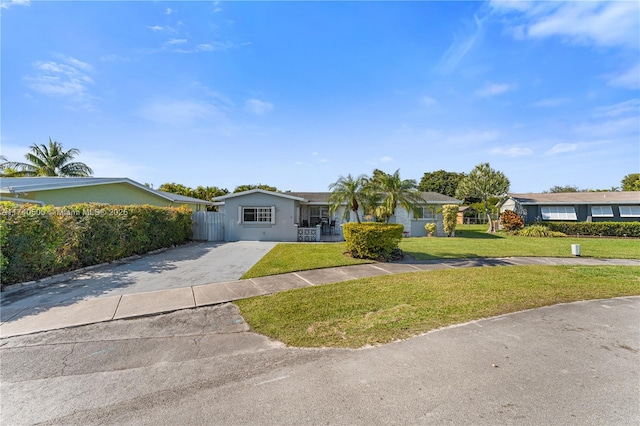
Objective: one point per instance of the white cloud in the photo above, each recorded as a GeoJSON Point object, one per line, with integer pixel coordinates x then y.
{"type": "Point", "coordinates": [156, 28]}
{"type": "Point", "coordinates": [631, 107]}
{"type": "Point", "coordinates": [6, 4]}
{"type": "Point", "coordinates": [512, 151]}
{"type": "Point", "coordinates": [561, 148]}
{"type": "Point", "coordinates": [258, 107]}
{"type": "Point", "coordinates": [550, 102]}
{"type": "Point", "coordinates": [61, 79]}
{"type": "Point", "coordinates": [460, 47]}
{"type": "Point", "coordinates": [176, 41]}
{"type": "Point", "coordinates": [169, 11]}
{"type": "Point", "coordinates": [427, 100]}
{"type": "Point", "coordinates": [629, 79]}
{"type": "Point", "coordinates": [600, 23]}
{"type": "Point", "coordinates": [493, 89]}
{"type": "Point", "coordinates": [386, 159]}
{"type": "Point", "coordinates": [179, 112]}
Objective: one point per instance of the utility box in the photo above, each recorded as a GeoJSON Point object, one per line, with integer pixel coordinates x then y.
{"type": "Point", "coordinates": [575, 249]}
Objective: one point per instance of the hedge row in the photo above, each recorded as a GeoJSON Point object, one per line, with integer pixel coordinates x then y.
{"type": "Point", "coordinates": [371, 240]}
{"type": "Point", "coordinates": [37, 242]}
{"type": "Point", "coordinates": [605, 229]}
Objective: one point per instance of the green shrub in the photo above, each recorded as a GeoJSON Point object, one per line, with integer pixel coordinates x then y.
{"type": "Point", "coordinates": [372, 240]}
{"type": "Point", "coordinates": [450, 218]}
{"type": "Point", "coordinates": [605, 229]}
{"type": "Point", "coordinates": [539, 231]}
{"type": "Point", "coordinates": [511, 221]}
{"type": "Point", "coordinates": [430, 228]}
{"type": "Point", "coordinates": [40, 241]}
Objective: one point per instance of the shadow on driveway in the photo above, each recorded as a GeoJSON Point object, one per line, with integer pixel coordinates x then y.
{"type": "Point", "coordinates": [184, 266]}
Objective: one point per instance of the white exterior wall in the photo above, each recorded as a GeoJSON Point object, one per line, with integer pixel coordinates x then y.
{"type": "Point", "coordinates": [282, 230]}
{"type": "Point", "coordinates": [403, 217]}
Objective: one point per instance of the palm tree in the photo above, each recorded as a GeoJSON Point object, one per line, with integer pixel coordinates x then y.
{"type": "Point", "coordinates": [347, 190]}
{"type": "Point", "coordinates": [396, 191]}
{"type": "Point", "coordinates": [50, 161]}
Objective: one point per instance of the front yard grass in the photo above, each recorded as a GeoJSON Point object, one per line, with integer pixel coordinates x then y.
{"type": "Point", "coordinates": [382, 309]}
{"type": "Point", "coordinates": [301, 257]}
{"type": "Point", "coordinates": [469, 242]}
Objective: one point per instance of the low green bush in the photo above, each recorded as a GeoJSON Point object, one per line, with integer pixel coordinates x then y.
{"type": "Point", "coordinates": [371, 240]}
{"type": "Point", "coordinates": [538, 231]}
{"type": "Point", "coordinates": [41, 241]}
{"type": "Point", "coordinates": [605, 229]}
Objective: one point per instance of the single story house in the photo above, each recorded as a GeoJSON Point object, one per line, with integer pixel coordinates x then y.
{"type": "Point", "coordinates": [260, 215]}
{"type": "Point", "coordinates": [575, 206]}
{"type": "Point", "coordinates": [63, 191]}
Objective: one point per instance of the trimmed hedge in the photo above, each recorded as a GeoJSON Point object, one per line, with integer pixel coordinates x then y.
{"type": "Point", "coordinates": [605, 229]}
{"type": "Point", "coordinates": [37, 242]}
{"type": "Point", "coordinates": [370, 240]}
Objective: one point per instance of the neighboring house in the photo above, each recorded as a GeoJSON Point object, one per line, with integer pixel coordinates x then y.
{"type": "Point", "coordinates": [260, 215]}
{"type": "Point", "coordinates": [575, 206]}
{"type": "Point", "coordinates": [63, 191]}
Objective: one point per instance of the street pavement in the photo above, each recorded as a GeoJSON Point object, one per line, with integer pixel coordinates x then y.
{"type": "Point", "coordinates": [569, 364]}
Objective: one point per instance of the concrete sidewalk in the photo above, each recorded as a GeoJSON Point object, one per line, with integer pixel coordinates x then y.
{"type": "Point", "coordinates": [21, 320]}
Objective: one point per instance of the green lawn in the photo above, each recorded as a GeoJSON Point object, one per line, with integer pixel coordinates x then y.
{"type": "Point", "coordinates": [301, 257]}
{"type": "Point", "coordinates": [377, 310]}
{"type": "Point", "coordinates": [470, 241]}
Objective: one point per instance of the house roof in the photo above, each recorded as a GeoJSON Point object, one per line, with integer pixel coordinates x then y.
{"type": "Point", "coordinates": [259, 191]}
{"type": "Point", "coordinates": [31, 184]}
{"type": "Point", "coordinates": [623, 197]}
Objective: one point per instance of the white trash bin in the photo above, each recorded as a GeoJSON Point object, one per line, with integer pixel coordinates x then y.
{"type": "Point", "coordinates": [575, 249]}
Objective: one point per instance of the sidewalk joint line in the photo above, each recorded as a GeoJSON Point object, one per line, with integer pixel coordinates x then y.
{"type": "Point", "coordinates": [381, 269]}
{"type": "Point", "coordinates": [302, 278]}
{"type": "Point", "coordinates": [117, 306]}
{"type": "Point", "coordinates": [257, 286]}
{"type": "Point", "coordinates": [193, 295]}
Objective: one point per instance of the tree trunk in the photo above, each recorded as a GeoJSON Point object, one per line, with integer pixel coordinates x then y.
{"type": "Point", "coordinates": [486, 209]}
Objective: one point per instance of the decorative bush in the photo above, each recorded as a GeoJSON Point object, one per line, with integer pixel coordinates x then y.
{"type": "Point", "coordinates": [511, 221]}
{"type": "Point", "coordinates": [371, 240]}
{"type": "Point", "coordinates": [450, 218]}
{"type": "Point", "coordinates": [605, 229]}
{"type": "Point", "coordinates": [40, 241]}
{"type": "Point", "coordinates": [430, 228]}
{"type": "Point", "coordinates": [538, 231]}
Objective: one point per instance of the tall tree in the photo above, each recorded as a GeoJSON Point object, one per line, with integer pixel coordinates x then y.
{"type": "Point", "coordinates": [209, 192]}
{"type": "Point", "coordinates": [50, 160]}
{"type": "Point", "coordinates": [347, 190]}
{"type": "Point", "coordinates": [394, 191]}
{"type": "Point", "coordinates": [176, 188]}
{"type": "Point", "coordinates": [484, 182]}
{"type": "Point", "coordinates": [631, 182]}
{"type": "Point", "coordinates": [242, 188]}
{"type": "Point", "coordinates": [441, 181]}
{"type": "Point", "coordinates": [563, 188]}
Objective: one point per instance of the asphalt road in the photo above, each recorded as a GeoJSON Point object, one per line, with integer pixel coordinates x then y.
{"type": "Point", "coordinates": [572, 364]}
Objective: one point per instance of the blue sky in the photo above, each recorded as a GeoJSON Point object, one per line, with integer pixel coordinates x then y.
{"type": "Point", "coordinates": [295, 94]}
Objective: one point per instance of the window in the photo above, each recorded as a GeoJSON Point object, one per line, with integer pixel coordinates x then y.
{"type": "Point", "coordinates": [601, 211]}
{"type": "Point", "coordinates": [257, 214]}
{"type": "Point", "coordinates": [559, 213]}
{"type": "Point", "coordinates": [426, 212]}
{"type": "Point", "coordinates": [629, 211]}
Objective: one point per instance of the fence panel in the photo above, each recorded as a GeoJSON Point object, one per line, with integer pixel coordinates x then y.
{"type": "Point", "coordinates": [208, 226]}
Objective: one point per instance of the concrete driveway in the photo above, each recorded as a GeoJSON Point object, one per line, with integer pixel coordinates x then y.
{"type": "Point", "coordinates": [189, 265]}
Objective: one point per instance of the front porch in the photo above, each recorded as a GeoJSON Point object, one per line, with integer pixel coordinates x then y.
{"type": "Point", "coordinates": [322, 232]}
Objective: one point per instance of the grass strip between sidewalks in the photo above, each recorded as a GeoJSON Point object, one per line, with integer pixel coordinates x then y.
{"type": "Point", "coordinates": [378, 310]}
